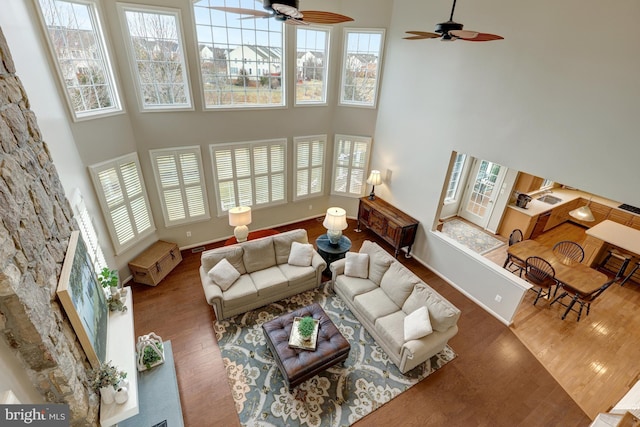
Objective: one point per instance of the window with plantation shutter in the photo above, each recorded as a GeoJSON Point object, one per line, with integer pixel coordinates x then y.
{"type": "Point", "coordinates": [350, 161]}
{"type": "Point", "coordinates": [310, 162]}
{"type": "Point", "coordinates": [88, 231]}
{"type": "Point", "coordinates": [249, 173]}
{"type": "Point", "coordinates": [123, 198]}
{"type": "Point", "coordinates": [180, 183]}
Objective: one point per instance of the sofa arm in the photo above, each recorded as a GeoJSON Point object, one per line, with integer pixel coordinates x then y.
{"type": "Point", "coordinates": [414, 352]}
{"type": "Point", "coordinates": [337, 268]}
{"type": "Point", "coordinates": [212, 292]}
{"type": "Point", "coordinates": [317, 262]}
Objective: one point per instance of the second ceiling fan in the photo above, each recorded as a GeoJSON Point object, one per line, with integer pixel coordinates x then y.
{"type": "Point", "coordinates": [451, 31]}
{"type": "Point", "coordinates": [287, 11]}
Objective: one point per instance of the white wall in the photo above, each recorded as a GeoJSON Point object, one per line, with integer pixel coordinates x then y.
{"type": "Point", "coordinates": [558, 98]}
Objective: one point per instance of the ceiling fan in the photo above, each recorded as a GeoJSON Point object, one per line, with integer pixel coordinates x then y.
{"type": "Point", "coordinates": [452, 31]}
{"type": "Point", "coordinates": [287, 11]}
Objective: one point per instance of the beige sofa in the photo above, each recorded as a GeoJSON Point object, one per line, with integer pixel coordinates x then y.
{"type": "Point", "coordinates": [265, 275]}
{"type": "Point", "coordinates": [387, 294]}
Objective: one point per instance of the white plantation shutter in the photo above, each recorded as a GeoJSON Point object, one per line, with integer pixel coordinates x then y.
{"type": "Point", "coordinates": [180, 183]}
{"type": "Point", "coordinates": [250, 173]}
{"type": "Point", "coordinates": [88, 231]}
{"type": "Point", "coordinates": [351, 158]}
{"type": "Point", "coordinates": [123, 199]}
{"type": "Point", "coordinates": [309, 175]}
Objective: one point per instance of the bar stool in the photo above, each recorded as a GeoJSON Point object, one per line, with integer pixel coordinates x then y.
{"type": "Point", "coordinates": [611, 261]}
{"type": "Point", "coordinates": [635, 268]}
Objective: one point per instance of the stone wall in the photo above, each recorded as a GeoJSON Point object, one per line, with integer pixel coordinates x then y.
{"type": "Point", "coordinates": [35, 225]}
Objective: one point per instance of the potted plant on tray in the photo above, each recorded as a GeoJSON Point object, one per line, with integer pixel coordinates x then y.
{"type": "Point", "coordinates": [105, 379]}
{"type": "Point", "coordinates": [306, 327]}
{"type": "Point", "coordinates": [150, 351]}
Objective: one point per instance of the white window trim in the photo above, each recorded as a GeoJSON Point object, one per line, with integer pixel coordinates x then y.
{"type": "Point", "coordinates": [458, 190]}
{"type": "Point", "coordinates": [309, 139]}
{"type": "Point", "coordinates": [94, 171]}
{"type": "Point", "coordinates": [249, 144]}
{"type": "Point", "coordinates": [362, 139]}
{"type": "Point", "coordinates": [88, 230]}
{"type": "Point", "coordinates": [325, 77]}
{"type": "Point", "coordinates": [343, 73]}
{"type": "Point", "coordinates": [105, 47]}
{"type": "Point", "coordinates": [124, 7]}
{"type": "Point", "coordinates": [181, 186]}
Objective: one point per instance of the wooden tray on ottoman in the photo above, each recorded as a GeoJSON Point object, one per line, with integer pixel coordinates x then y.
{"type": "Point", "coordinates": [153, 265]}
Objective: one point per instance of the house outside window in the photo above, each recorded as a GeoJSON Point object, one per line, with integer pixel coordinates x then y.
{"type": "Point", "coordinates": [241, 60]}
{"type": "Point", "coordinates": [310, 152]}
{"type": "Point", "coordinates": [454, 181]}
{"type": "Point", "coordinates": [312, 58]}
{"type": "Point", "coordinates": [123, 199]}
{"type": "Point", "coordinates": [156, 51]}
{"type": "Point", "coordinates": [249, 173]}
{"type": "Point", "coordinates": [362, 56]}
{"type": "Point", "coordinates": [75, 37]}
{"type": "Point", "coordinates": [350, 162]}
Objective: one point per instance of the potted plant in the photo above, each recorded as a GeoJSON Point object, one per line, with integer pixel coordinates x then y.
{"type": "Point", "coordinates": [150, 351]}
{"type": "Point", "coordinates": [105, 379]}
{"type": "Point", "coordinates": [115, 302]}
{"type": "Point", "coordinates": [109, 279]}
{"type": "Point", "coordinates": [306, 327]}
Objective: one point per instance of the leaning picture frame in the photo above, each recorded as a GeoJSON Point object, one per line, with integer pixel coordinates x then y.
{"type": "Point", "coordinates": [83, 300]}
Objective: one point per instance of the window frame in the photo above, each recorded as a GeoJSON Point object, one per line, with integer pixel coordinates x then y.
{"type": "Point", "coordinates": [297, 141]}
{"type": "Point", "coordinates": [354, 139]}
{"type": "Point", "coordinates": [461, 158]}
{"type": "Point", "coordinates": [123, 8]}
{"type": "Point", "coordinates": [103, 46]}
{"type": "Point", "coordinates": [181, 186]}
{"type": "Point", "coordinates": [326, 63]}
{"type": "Point", "coordinates": [251, 146]}
{"type": "Point", "coordinates": [94, 171]}
{"type": "Point", "coordinates": [343, 73]}
{"type": "Point", "coordinates": [88, 230]}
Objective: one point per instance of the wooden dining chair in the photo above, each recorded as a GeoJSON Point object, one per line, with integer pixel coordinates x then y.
{"type": "Point", "coordinates": [567, 249]}
{"type": "Point", "coordinates": [510, 262]}
{"type": "Point", "coordinates": [541, 274]}
{"type": "Point", "coordinates": [579, 298]}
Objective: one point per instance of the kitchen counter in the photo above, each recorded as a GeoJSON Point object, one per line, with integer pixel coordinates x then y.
{"type": "Point", "coordinates": [618, 235]}
{"type": "Point", "coordinates": [537, 207]}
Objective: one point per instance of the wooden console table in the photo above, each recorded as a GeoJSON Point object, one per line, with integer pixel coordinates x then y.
{"type": "Point", "coordinates": [391, 224]}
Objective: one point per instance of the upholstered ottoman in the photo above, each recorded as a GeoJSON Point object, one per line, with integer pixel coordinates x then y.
{"type": "Point", "coordinates": [297, 365]}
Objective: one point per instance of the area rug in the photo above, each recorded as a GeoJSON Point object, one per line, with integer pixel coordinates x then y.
{"type": "Point", "coordinates": [339, 396]}
{"type": "Point", "coordinates": [471, 237]}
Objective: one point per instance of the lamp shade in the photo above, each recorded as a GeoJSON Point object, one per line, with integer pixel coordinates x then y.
{"type": "Point", "coordinates": [336, 219]}
{"type": "Point", "coordinates": [240, 215]}
{"type": "Point", "coordinates": [583, 214]}
{"type": "Point", "coordinates": [374, 178]}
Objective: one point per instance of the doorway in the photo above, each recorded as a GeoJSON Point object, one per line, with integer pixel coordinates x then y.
{"type": "Point", "coordinates": [481, 192]}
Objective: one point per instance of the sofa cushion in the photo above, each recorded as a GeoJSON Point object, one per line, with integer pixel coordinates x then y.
{"type": "Point", "coordinates": [241, 293]}
{"type": "Point", "coordinates": [391, 329]}
{"type": "Point", "coordinates": [258, 254]}
{"type": "Point", "coordinates": [233, 254]}
{"type": "Point", "coordinates": [351, 287]}
{"type": "Point", "coordinates": [223, 274]}
{"type": "Point", "coordinates": [296, 274]}
{"type": "Point", "coordinates": [417, 324]}
{"type": "Point", "coordinates": [356, 265]}
{"type": "Point", "coordinates": [443, 315]}
{"type": "Point", "coordinates": [379, 260]}
{"type": "Point", "coordinates": [282, 243]}
{"type": "Point", "coordinates": [301, 254]}
{"type": "Point", "coordinates": [375, 304]}
{"type": "Point", "coordinates": [398, 282]}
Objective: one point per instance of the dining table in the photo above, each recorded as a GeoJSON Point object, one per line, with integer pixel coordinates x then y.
{"type": "Point", "coordinates": [571, 273]}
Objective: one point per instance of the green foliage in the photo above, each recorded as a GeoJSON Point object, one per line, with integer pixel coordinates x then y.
{"type": "Point", "coordinates": [306, 326]}
{"type": "Point", "coordinates": [115, 303]}
{"type": "Point", "coordinates": [150, 356]}
{"type": "Point", "coordinates": [108, 278]}
{"type": "Point", "coordinates": [105, 375]}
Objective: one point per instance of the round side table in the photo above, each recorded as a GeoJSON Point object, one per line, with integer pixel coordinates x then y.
{"type": "Point", "coordinates": [330, 252]}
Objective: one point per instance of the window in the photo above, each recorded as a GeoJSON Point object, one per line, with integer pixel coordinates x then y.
{"type": "Point", "coordinates": [241, 56]}
{"type": "Point", "coordinates": [309, 174]}
{"type": "Point", "coordinates": [361, 67]}
{"type": "Point", "coordinates": [154, 41]}
{"type": "Point", "coordinates": [123, 199]}
{"type": "Point", "coordinates": [250, 174]}
{"type": "Point", "coordinates": [76, 40]}
{"type": "Point", "coordinates": [351, 157]}
{"type": "Point", "coordinates": [311, 65]}
{"type": "Point", "coordinates": [454, 181]}
{"type": "Point", "coordinates": [88, 231]}
{"type": "Point", "coordinates": [546, 184]}
{"type": "Point", "coordinates": [180, 184]}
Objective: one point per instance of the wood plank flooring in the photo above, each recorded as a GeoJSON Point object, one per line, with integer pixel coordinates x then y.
{"type": "Point", "coordinates": [494, 381]}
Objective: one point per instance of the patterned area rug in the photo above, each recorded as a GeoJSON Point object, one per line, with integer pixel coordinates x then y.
{"type": "Point", "coordinates": [471, 237]}
{"type": "Point", "coordinates": [339, 396]}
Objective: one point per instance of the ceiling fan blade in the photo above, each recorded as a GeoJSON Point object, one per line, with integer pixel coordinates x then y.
{"type": "Point", "coordinates": [479, 37]}
{"type": "Point", "coordinates": [422, 35]}
{"type": "Point", "coordinates": [292, 21]}
{"type": "Point", "coordinates": [320, 17]}
{"type": "Point", "coordinates": [241, 11]}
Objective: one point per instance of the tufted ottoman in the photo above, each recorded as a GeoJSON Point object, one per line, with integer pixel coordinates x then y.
{"type": "Point", "coordinates": [298, 365]}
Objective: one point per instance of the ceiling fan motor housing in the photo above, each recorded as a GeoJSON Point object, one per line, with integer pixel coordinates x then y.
{"type": "Point", "coordinates": [445, 27]}
{"type": "Point", "coordinates": [267, 4]}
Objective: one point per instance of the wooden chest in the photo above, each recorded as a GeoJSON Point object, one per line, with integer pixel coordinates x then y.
{"type": "Point", "coordinates": [152, 265]}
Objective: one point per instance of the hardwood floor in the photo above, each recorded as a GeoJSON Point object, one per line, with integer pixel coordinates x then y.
{"type": "Point", "coordinates": [494, 381]}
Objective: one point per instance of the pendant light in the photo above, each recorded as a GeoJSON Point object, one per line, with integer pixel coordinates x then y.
{"type": "Point", "coordinates": [583, 213]}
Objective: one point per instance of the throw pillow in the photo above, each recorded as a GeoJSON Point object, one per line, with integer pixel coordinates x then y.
{"type": "Point", "coordinates": [356, 265]}
{"type": "Point", "coordinates": [301, 254]}
{"type": "Point", "coordinates": [417, 324]}
{"type": "Point", "coordinates": [224, 274]}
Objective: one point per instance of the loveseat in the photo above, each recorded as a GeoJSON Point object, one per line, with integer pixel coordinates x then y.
{"type": "Point", "coordinates": [382, 293]}
{"type": "Point", "coordinates": [251, 274]}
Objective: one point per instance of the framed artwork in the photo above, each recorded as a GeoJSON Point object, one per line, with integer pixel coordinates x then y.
{"type": "Point", "coordinates": [84, 300]}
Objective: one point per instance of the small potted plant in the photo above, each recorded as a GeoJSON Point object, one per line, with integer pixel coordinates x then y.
{"type": "Point", "coordinates": [105, 379]}
{"type": "Point", "coordinates": [115, 302]}
{"type": "Point", "coordinates": [109, 279]}
{"type": "Point", "coordinates": [150, 351]}
{"type": "Point", "coordinates": [306, 327]}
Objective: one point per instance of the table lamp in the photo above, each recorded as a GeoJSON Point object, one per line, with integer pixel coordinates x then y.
{"type": "Point", "coordinates": [374, 179]}
{"type": "Point", "coordinates": [240, 217]}
{"type": "Point", "coordinates": [335, 221]}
